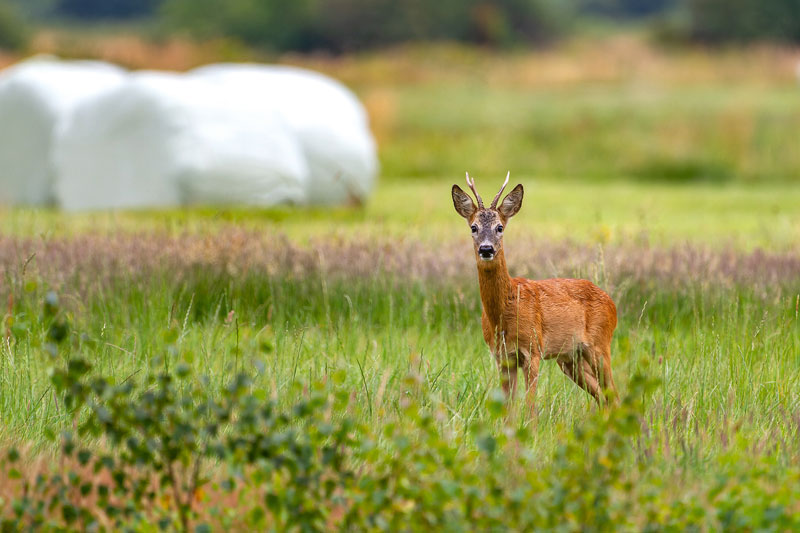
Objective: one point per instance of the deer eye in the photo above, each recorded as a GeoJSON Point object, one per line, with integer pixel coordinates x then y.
{"type": "Point", "coordinates": [500, 228]}
{"type": "Point", "coordinates": [474, 228]}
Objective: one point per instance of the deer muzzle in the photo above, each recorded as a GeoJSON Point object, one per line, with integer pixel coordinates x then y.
{"type": "Point", "coordinates": [486, 252]}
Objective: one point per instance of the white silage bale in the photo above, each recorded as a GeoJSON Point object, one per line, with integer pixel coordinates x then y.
{"type": "Point", "coordinates": [36, 97]}
{"type": "Point", "coordinates": [327, 118]}
{"type": "Point", "coordinates": [164, 139]}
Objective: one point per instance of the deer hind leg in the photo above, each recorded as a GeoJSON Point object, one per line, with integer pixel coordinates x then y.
{"type": "Point", "coordinates": [603, 358]}
{"type": "Point", "coordinates": [598, 362]}
{"type": "Point", "coordinates": [579, 371]}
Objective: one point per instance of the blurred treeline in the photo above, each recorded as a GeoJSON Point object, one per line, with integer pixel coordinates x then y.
{"type": "Point", "coordinates": [345, 25]}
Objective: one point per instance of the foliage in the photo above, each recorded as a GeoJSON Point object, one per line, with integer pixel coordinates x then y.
{"type": "Point", "coordinates": [628, 8]}
{"type": "Point", "coordinates": [35, 8]}
{"type": "Point", "coordinates": [159, 434]}
{"type": "Point", "coordinates": [743, 21]}
{"type": "Point", "coordinates": [104, 9]}
{"type": "Point", "coordinates": [14, 32]}
{"type": "Point", "coordinates": [347, 25]}
{"type": "Point", "coordinates": [341, 25]}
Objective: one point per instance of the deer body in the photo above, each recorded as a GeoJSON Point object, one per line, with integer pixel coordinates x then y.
{"type": "Point", "coordinates": [525, 321]}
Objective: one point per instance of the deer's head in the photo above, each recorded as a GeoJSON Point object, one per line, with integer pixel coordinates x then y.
{"type": "Point", "coordinates": [487, 224]}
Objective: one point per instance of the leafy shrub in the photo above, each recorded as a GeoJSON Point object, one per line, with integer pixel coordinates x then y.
{"type": "Point", "coordinates": [160, 433]}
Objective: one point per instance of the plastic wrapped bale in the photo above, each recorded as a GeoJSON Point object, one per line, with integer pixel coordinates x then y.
{"type": "Point", "coordinates": [328, 119]}
{"type": "Point", "coordinates": [36, 97]}
{"type": "Point", "coordinates": [165, 139]}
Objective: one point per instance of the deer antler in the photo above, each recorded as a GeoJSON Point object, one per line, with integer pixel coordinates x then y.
{"type": "Point", "coordinates": [494, 202]}
{"type": "Point", "coordinates": [471, 183]}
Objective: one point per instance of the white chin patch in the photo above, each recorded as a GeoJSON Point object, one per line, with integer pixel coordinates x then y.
{"type": "Point", "coordinates": [489, 258]}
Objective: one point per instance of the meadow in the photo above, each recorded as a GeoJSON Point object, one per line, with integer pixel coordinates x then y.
{"type": "Point", "coordinates": [367, 398]}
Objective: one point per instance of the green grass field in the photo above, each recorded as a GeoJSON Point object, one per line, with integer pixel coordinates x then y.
{"type": "Point", "coordinates": [739, 216]}
{"type": "Point", "coordinates": [690, 224]}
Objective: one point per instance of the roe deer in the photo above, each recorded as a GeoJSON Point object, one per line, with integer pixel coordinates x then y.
{"type": "Point", "coordinates": [525, 321]}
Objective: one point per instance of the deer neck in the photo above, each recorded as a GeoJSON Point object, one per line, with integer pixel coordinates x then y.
{"type": "Point", "coordinates": [495, 286]}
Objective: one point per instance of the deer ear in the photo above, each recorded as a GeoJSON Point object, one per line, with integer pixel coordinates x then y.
{"type": "Point", "coordinates": [511, 203]}
{"type": "Point", "coordinates": [463, 203]}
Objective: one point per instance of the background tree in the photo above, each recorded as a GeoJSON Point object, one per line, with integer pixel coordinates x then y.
{"type": "Point", "coordinates": [342, 25]}
{"type": "Point", "coordinates": [744, 20]}
{"type": "Point", "coordinates": [105, 9]}
{"type": "Point", "coordinates": [14, 31]}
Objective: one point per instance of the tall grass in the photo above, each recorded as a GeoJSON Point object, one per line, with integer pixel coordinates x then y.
{"type": "Point", "coordinates": [724, 350]}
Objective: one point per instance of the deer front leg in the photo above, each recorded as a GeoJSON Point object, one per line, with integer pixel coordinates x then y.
{"type": "Point", "coordinates": [507, 365]}
{"type": "Point", "coordinates": [531, 381]}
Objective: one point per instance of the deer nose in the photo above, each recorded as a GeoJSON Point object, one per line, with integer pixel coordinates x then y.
{"type": "Point", "coordinates": [486, 251]}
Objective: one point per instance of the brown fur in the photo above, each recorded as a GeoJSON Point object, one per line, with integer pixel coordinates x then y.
{"type": "Point", "coordinates": [525, 321]}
